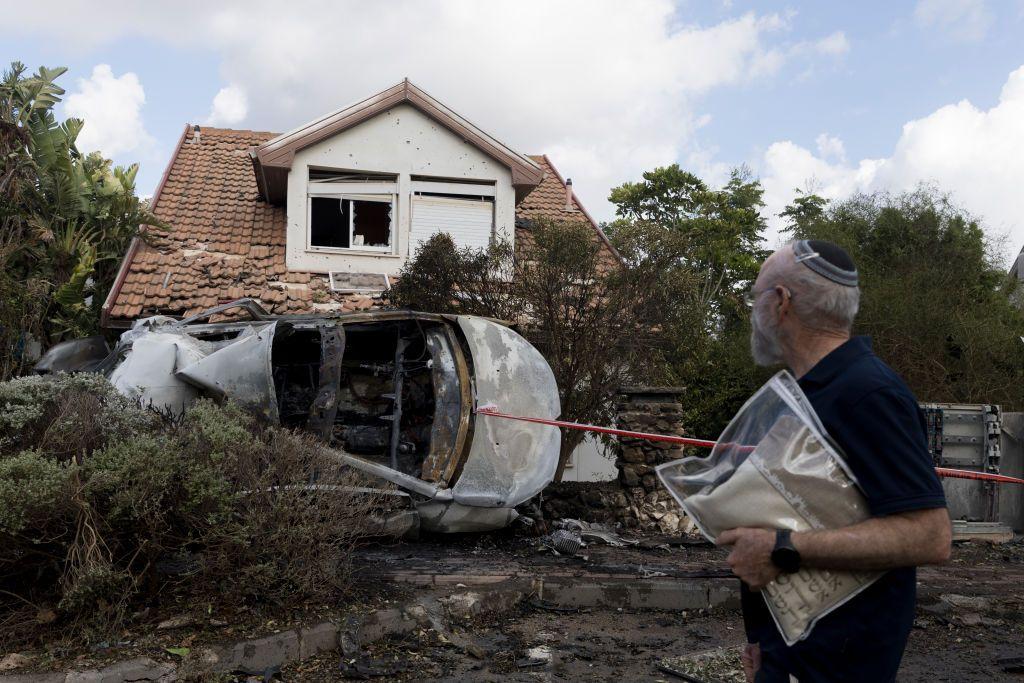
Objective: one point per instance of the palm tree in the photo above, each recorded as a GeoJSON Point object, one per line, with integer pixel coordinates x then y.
{"type": "Point", "coordinates": [65, 220]}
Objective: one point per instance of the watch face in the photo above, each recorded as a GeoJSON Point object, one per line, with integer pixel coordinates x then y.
{"type": "Point", "coordinates": [786, 559]}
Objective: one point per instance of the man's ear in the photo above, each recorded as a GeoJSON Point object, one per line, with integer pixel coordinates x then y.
{"type": "Point", "coordinates": [785, 302]}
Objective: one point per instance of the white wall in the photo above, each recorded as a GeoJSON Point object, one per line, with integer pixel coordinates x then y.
{"type": "Point", "coordinates": [400, 141]}
{"type": "Point", "coordinates": [589, 462]}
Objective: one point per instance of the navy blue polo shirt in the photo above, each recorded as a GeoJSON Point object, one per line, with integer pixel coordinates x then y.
{"type": "Point", "coordinates": [874, 418]}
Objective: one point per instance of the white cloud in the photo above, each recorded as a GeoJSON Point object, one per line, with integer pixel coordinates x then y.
{"type": "Point", "coordinates": [976, 154]}
{"type": "Point", "coordinates": [834, 44]}
{"type": "Point", "coordinates": [830, 147]}
{"type": "Point", "coordinates": [112, 109]}
{"type": "Point", "coordinates": [607, 88]}
{"type": "Point", "coordinates": [961, 20]}
{"type": "Point", "coordinates": [230, 107]}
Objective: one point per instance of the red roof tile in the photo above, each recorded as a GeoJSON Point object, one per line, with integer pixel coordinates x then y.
{"type": "Point", "coordinates": [224, 243]}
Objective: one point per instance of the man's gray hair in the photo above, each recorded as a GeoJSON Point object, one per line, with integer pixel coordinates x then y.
{"type": "Point", "coordinates": [819, 302]}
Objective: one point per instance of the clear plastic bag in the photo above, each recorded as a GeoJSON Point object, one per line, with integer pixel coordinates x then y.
{"type": "Point", "coordinates": [774, 467]}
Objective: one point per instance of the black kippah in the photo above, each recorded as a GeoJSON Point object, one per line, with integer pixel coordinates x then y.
{"type": "Point", "coordinates": [828, 260]}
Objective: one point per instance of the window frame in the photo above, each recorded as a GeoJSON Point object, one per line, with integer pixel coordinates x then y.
{"type": "Point", "coordinates": [365, 193]}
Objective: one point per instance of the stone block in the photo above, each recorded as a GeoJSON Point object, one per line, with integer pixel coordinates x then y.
{"type": "Point", "coordinates": [629, 477]}
{"type": "Point", "coordinates": [383, 623]}
{"type": "Point", "coordinates": [634, 454]}
{"type": "Point", "coordinates": [256, 656]}
{"type": "Point", "coordinates": [138, 669]}
{"type": "Point", "coordinates": [724, 594]}
{"type": "Point", "coordinates": [316, 639]}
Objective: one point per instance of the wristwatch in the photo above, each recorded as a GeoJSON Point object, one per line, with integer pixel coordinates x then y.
{"type": "Point", "coordinates": [785, 556]}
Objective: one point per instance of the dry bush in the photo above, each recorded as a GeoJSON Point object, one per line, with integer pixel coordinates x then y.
{"type": "Point", "coordinates": [106, 506]}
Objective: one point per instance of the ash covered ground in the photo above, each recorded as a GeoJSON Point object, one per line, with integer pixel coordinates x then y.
{"type": "Point", "coordinates": [970, 623]}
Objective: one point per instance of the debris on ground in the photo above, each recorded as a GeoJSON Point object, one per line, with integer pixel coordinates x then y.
{"type": "Point", "coordinates": [535, 656]}
{"type": "Point", "coordinates": [1011, 665]}
{"type": "Point", "coordinates": [15, 660]}
{"type": "Point", "coordinates": [565, 542]}
{"type": "Point", "coordinates": [721, 665]}
{"type": "Point", "coordinates": [366, 668]}
{"type": "Point", "coordinates": [593, 533]}
{"type": "Point", "coordinates": [572, 535]}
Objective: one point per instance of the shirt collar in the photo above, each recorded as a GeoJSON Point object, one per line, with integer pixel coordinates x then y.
{"type": "Point", "coordinates": [828, 367]}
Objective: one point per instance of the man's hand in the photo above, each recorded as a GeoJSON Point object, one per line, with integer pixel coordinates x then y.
{"type": "Point", "coordinates": [751, 556]}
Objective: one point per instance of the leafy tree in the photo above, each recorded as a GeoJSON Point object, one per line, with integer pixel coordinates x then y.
{"type": "Point", "coordinates": [596, 322]}
{"type": "Point", "coordinates": [65, 220]}
{"type": "Point", "coordinates": [935, 298]}
{"type": "Point", "coordinates": [709, 243]}
{"type": "Point", "coordinates": [716, 232]}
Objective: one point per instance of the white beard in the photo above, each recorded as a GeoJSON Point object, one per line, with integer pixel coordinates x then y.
{"type": "Point", "coordinates": [764, 342]}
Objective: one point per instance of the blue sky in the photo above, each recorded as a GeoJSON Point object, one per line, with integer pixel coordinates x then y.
{"type": "Point", "coordinates": [805, 93]}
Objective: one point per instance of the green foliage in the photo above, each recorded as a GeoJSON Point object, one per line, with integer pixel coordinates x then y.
{"type": "Point", "coordinates": [702, 246]}
{"type": "Point", "coordinates": [66, 218]}
{"type": "Point", "coordinates": [30, 485]}
{"type": "Point", "coordinates": [66, 414]}
{"type": "Point", "coordinates": [716, 233]}
{"type": "Point", "coordinates": [935, 298]}
{"type": "Point", "coordinates": [98, 496]}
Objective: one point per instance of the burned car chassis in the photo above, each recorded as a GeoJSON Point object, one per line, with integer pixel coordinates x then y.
{"type": "Point", "coordinates": [393, 393]}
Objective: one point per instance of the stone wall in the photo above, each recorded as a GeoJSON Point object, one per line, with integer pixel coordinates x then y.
{"type": "Point", "coordinates": [650, 409]}
{"type": "Point", "coordinates": [636, 500]}
{"type": "Point", "coordinates": [601, 502]}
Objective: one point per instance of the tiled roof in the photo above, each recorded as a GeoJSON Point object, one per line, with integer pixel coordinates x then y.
{"type": "Point", "coordinates": [547, 201]}
{"type": "Point", "coordinates": [224, 243]}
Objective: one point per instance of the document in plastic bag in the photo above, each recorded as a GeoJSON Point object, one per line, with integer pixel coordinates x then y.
{"type": "Point", "coordinates": [774, 467]}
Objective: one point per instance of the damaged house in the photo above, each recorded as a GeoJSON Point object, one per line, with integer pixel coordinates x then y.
{"type": "Point", "coordinates": [266, 283]}
{"type": "Point", "coordinates": [319, 219]}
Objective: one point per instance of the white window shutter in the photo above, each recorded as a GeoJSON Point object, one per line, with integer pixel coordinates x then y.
{"type": "Point", "coordinates": [468, 221]}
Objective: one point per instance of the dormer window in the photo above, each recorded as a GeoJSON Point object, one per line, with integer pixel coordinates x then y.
{"type": "Point", "coordinates": [351, 211]}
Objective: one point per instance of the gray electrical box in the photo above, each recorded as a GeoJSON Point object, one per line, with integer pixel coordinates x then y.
{"type": "Point", "coordinates": [967, 437]}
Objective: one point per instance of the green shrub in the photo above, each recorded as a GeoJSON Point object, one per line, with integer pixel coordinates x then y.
{"type": "Point", "coordinates": [31, 488]}
{"type": "Point", "coordinates": [65, 415]}
{"type": "Point", "coordinates": [104, 504]}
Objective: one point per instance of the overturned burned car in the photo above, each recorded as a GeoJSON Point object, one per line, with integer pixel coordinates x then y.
{"type": "Point", "coordinates": [394, 393]}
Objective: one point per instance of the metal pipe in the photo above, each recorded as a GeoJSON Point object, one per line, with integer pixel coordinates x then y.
{"type": "Point", "coordinates": [401, 480]}
{"type": "Point", "coordinates": [396, 414]}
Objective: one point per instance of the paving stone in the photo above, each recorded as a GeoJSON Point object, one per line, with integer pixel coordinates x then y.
{"type": "Point", "coordinates": [138, 669]}
{"type": "Point", "coordinates": [316, 639]}
{"type": "Point", "coordinates": [383, 623]}
{"type": "Point", "coordinates": [255, 656]}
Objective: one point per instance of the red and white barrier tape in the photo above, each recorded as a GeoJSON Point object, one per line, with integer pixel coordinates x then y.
{"type": "Point", "coordinates": [704, 443]}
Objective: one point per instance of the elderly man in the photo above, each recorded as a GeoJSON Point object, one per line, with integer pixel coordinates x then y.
{"type": "Point", "coordinates": [804, 302]}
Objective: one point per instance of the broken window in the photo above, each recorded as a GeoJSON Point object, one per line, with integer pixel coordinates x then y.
{"type": "Point", "coordinates": [352, 222]}
{"type": "Point", "coordinates": [386, 406]}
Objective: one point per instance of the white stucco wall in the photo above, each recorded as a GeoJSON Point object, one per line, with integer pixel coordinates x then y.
{"type": "Point", "coordinates": [400, 141]}
{"type": "Point", "coordinates": [591, 461]}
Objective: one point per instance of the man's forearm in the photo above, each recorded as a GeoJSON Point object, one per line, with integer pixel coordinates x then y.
{"type": "Point", "coordinates": [901, 540]}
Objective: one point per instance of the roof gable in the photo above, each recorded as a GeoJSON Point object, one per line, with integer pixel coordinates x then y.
{"type": "Point", "coordinates": [273, 159]}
